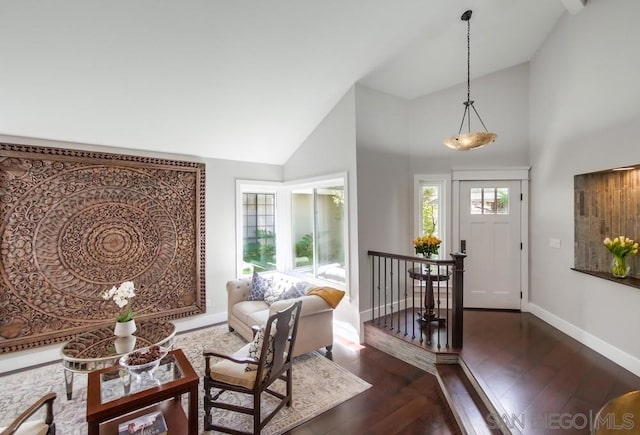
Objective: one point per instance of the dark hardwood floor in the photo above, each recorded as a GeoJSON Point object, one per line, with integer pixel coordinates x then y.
{"type": "Point", "coordinates": [534, 372]}
{"type": "Point", "coordinates": [403, 399]}
{"type": "Point", "coordinates": [530, 371]}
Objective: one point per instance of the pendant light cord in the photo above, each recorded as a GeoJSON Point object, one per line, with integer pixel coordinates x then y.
{"type": "Point", "coordinates": [467, 113]}
{"type": "Point", "coordinates": [469, 101]}
{"type": "Point", "coordinates": [468, 141]}
{"type": "Point", "coordinates": [469, 61]}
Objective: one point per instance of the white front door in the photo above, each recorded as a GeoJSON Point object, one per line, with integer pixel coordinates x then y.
{"type": "Point", "coordinates": [490, 219]}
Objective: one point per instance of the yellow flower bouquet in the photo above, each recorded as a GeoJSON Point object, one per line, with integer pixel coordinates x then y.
{"type": "Point", "coordinates": [427, 245]}
{"type": "Point", "coordinates": [621, 247]}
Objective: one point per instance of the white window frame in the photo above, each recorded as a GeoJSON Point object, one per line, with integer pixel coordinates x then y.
{"type": "Point", "coordinates": [443, 181]}
{"type": "Point", "coordinates": [284, 254]}
{"type": "Point", "coordinates": [317, 183]}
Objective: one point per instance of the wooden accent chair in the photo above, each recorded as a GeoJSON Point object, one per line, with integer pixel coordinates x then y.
{"type": "Point", "coordinates": [253, 369]}
{"type": "Point", "coordinates": [24, 425]}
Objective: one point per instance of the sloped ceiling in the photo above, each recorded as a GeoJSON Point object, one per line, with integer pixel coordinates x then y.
{"type": "Point", "coordinates": [237, 79]}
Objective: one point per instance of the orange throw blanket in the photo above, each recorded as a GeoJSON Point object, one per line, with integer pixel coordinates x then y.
{"type": "Point", "coordinates": [331, 295]}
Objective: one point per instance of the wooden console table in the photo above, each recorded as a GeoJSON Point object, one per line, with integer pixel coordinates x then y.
{"type": "Point", "coordinates": [424, 273]}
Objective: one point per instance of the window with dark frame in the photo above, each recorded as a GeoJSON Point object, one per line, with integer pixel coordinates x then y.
{"type": "Point", "coordinates": [259, 230]}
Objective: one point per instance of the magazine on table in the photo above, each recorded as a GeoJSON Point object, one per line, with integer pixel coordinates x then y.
{"type": "Point", "coordinates": [148, 424]}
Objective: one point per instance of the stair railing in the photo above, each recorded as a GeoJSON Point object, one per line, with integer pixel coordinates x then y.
{"type": "Point", "coordinates": [418, 297]}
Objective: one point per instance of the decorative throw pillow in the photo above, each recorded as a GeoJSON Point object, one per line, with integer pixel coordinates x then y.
{"type": "Point", "coordinates": [304, 286]}
{"type": "Point", "coordinates": [255, 349]}
{"type": "Point", "coordinates": [282, 283]}
{"type": "Point", "coordinates": [279, 285]}
{"type": "Point", "coordinates": [271, 295]}
{"type": "Point", "coordinates": [259, 286]}
{"type": "Point", "coordinates": [296, 291]}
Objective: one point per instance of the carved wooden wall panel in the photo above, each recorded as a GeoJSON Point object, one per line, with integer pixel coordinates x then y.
{"type": "Point", "coordinates": [74, 223]}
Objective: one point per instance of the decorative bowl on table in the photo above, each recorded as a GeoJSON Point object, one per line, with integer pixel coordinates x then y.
{"type": "Point", "coordinates": [144, 361]}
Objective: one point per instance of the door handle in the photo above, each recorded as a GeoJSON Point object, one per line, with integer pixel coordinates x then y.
{"type": "Point", "coordinates": [463, 246]}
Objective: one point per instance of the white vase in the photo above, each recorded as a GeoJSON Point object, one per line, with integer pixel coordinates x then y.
{"type": "Point", "coordinates": [124, 329]}
{"type": "Point", "coordinates": [125, 344]}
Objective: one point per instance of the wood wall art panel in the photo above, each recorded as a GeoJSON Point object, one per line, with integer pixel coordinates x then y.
{"type": "Point", "coordinates": [606, 204]}
{"type": "Point", "coordinates": [75, 223]}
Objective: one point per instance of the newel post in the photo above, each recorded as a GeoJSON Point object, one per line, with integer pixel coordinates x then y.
{"type": "Point", "coordinates": [458, 299]}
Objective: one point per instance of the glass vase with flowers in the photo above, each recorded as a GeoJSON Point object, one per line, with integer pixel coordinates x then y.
{"type": "Point", "coordinates": [125, 323]}
{"type": "Point", "coordinates": [621, 247]}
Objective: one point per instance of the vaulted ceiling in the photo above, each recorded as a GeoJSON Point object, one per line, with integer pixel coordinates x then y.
{"type": "Point", "coordinates": [237, 79]}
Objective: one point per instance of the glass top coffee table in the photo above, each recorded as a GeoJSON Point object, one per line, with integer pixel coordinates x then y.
{"type": "Point", "coordinates": [99, 348]}
{"type": "Point", "coordinates": [114, 396]}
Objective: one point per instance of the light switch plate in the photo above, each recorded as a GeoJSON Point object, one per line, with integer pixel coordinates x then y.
{"type": "Point", "coordinates": [554, 243]}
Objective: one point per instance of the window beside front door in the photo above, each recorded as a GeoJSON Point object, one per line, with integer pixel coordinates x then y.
{"type": "Point", "coordinates": [431, 209]}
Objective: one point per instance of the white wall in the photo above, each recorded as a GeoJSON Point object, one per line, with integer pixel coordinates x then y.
{"type": "Point", "coordinates": [501, 99]}
{"type": "Point", "coordinates": [585, 111]}
{"type": "Point", "coordinates": [382, 121]}
{"type": "Point", "coordinates": [331, 149]}
{"type": "Point", "coordinates": [397, 138]}
{"type": "Point", "coordinates": [220, 237]}
{"type": "Point", "coordinates": [384, 181]}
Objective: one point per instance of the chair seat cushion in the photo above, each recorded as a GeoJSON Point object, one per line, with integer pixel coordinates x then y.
{"type": "Point", "coordinates": [233, 373]}
{"type": "Point", "coordinates": [31, 428]}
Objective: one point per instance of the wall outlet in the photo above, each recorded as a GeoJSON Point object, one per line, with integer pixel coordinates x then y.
{"type": "Point", "coordinates": [554, 243]}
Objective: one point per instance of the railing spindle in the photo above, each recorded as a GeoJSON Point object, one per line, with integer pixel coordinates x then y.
{"type": "Point", "coordinates": [423, 308]}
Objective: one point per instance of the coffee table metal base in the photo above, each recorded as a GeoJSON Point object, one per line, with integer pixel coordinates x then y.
{"type": "Point", "coordinates": [96, 349]}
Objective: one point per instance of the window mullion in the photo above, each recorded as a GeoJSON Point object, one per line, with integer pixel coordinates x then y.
{"type": "Point", "coordinates": [314, 232]}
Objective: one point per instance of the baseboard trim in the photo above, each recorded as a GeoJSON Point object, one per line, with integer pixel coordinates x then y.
{"type": "Point", "coordinates": [607, 350]}
{"type": "Point", "coordinates": [186, 324]}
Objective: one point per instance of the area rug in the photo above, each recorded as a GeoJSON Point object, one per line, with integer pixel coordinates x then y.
{"type": "Point", "coordinates": [319, 384]}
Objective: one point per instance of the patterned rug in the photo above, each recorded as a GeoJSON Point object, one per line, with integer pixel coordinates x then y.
{"type": "Point", "coordinates": [318, 385]}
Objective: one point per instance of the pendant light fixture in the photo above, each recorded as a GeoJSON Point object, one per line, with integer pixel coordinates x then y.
{"type": "Point", "coordinates": [470, 140]}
